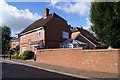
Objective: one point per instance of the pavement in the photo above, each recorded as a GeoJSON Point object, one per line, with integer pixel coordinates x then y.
{"type": "Point", "coordinates": [89, 75]}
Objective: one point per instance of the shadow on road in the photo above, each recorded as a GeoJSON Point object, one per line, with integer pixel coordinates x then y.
{"type": "Point", "coordinates": [16, 71]}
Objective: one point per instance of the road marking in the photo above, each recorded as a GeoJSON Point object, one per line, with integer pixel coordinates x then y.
{"type": "Point", "coordinates": [72, 75]}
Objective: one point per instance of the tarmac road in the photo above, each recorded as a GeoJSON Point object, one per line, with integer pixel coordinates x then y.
{"type": "Point", "coordinates": [16, 71]}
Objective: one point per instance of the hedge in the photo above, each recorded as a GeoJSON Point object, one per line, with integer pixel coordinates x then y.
{"type": "Point", "coordinates": [28, 54]}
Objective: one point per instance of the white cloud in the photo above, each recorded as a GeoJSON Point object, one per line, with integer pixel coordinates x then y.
{"type": "Point", "coordinates": [88, 22]}
{"type": "Point", "coordinates": [16, 19]}
{"type": "Point", "coordinates": [54, 2]}
{"type": "Point", "coordinates": [81, 8]}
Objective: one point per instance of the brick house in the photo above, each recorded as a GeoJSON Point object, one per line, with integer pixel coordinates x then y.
{"type": "Point", "coordinates": [47, 32]}
{"type": "Point", "coordinates": [85, 36]}
{"type": "Point", "coordinates": [15, 41]}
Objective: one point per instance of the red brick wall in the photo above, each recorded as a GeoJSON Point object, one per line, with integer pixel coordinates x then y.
{"type": "Point", "coordinates": [32, 37]}
{"type": "Point", "coordinates": [53, 32]}
{"type": "Point", "coordinates": [93, 60]}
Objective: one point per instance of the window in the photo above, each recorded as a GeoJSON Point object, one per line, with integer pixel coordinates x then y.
{"type": "Point", "coordinates": [13, 42]}
{"type": "Point", "coordinates": [23, 37]}
{"type": "Point", "coordinates": [38, 33]}
{"type": "Point", "coordinates": [23, 49]}
{"type": "Point", "coordinates": [65, 34]}
{"type": "Point", "coordinates": [29, 42]}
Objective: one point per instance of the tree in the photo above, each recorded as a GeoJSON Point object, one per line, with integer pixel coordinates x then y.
{"type": "Point", "coordinates": [106, 22]}
{"type": "Point", "coordinates": [6, 33]}
{"type": "Point", "coordinates": [17, 48]}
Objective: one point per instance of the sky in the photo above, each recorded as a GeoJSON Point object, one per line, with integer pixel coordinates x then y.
{"type": "Point", "coordinates": [19, 15]}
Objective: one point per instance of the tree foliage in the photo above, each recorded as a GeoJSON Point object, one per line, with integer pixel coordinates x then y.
{"type": "Point", "coordinates": [106, 22]}
{"type": "Point", "coordinates": [6, 33]}
{"type": "Point", "coordinates": [14, 50]}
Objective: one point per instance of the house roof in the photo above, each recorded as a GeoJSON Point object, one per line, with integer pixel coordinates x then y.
{"type": "Point", "coordinates": [72, 41]}
{"type": "Point", "coordinates": [84, 33]}
{"type": "Point", "coordinates": [41, 22]}
{"type": "Point", "coordinates": [74, 34]}
{"type": "Point", "coordinates": [15, 39]}
{"type": "Point", "coordinates": [75, 29]}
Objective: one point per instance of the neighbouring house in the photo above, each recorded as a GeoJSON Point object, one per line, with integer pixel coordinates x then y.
{"type": "Point", "coordinates": [15, 41]}
{"type": "Point", "coordinates": [47, 32]}
{"type": "Point", "coordinates": [84, 36]}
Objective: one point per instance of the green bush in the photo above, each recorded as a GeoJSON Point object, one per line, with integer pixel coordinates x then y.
{"type": "Point", "coordinates": [28, 54]}
{"type": "Point", "coordinates": [17, 48]}
{"type": "Point", "coordinates": [16, 52]}
{"type": "Point", "coordinates": [21, 57]}
{"type": "Point", "coordinates": [13, 51]}
{"type": "Point", "coordinates": [15, 56]}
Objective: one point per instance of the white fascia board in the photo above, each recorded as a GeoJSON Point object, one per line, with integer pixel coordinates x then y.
{"type": "Point", "coordinates": [88, 40]}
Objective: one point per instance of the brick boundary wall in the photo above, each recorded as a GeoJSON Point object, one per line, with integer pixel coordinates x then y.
{"type": "Point", "coordinates": [102, 60]}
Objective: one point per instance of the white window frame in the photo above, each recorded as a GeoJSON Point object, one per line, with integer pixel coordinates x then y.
{"type": "Point", "coordinates": [23, 49]}
{"type": "Point", "coordinates": [38, 33]}
{"type": "Point", "coordinates": [65, 34]}
{"type": "Point", "coordinates": [23, 37]}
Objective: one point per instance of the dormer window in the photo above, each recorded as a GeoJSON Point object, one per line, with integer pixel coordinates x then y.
{"type": "Point", "coordinates": [65, 34]}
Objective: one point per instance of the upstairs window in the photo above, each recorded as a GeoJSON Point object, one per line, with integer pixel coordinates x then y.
{"type": "Point", "coordinates": [23, 37]}
{"type": "Point", "coordinates": [38, 33]}
{"type": "Point", "coordinates": [65, 34]}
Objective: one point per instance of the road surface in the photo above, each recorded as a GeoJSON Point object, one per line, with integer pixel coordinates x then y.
{"type": "Point", "coordinates": [13, 70]}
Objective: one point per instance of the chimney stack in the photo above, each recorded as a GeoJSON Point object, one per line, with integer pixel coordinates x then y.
{"type": "Point", "coordinates": [46, 12]}
{"type": "Point", "coordinates": [81, 27]}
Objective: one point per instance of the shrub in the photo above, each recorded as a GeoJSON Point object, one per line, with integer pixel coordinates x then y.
{"type": "Point", "coordinates": [17, 48]}
{"type": "Point", "coordinates": [16, 52]}
{"type": "Point", "coordinates": [21, 57]}
{"type": "Point", "coordinates": [28, 54]}
{"type": "Point", "coordinates": [20, 54]}
{"type": "Point", "coordinates": [15, 56]}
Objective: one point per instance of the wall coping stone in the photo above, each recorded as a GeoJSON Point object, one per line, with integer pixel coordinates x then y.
{"type": "Point", "coordinates": [95, 50]}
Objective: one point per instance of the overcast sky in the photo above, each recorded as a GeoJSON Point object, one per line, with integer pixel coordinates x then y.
{"type": "Point", "coordinates": [19, 15]}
